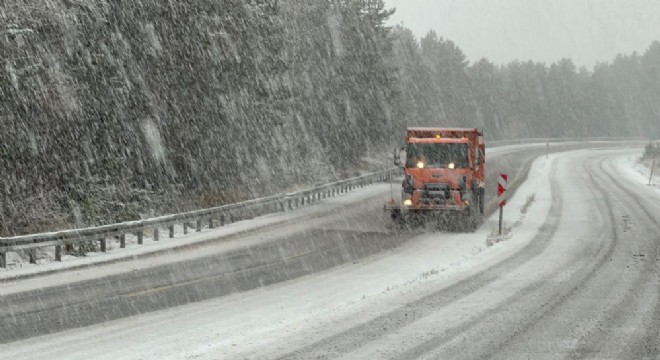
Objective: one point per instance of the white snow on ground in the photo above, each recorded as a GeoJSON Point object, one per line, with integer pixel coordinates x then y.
{"type": "Point", "coordinates": [630, 166]}
{"type": "Point", "coordinates": [18, 268]}
{"type": "Point", "coordinates": [283, 316]}
{"type": "Point", "coordinates": [223, 240]}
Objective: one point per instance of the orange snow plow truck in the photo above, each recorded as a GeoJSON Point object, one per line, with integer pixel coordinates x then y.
{"type": "Point", "coordinates": [444, 177]}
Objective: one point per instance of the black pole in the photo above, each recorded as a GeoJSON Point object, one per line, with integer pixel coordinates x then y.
{"type": "Point", "coordinates": [501, 215]}
{"type": "Point", "coordinates": [652, 168]}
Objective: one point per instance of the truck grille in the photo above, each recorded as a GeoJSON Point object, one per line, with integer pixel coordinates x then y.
{"type": "Point", "coordinates": [435, 193]}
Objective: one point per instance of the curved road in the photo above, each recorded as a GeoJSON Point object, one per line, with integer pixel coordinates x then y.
{"type": "Point", "coordinates": [578, 278]}
{"type": "Point", "coordinates": [585, 286]}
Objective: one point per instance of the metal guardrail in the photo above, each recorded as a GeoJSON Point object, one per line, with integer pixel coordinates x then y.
{"type": "Point", "coordinates": [217, 216]}
{"type": "Point", "coordinates": [560, 140]}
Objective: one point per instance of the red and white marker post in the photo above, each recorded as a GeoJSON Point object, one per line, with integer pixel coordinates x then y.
{"type": "Point", "coordinates": [502, 184]}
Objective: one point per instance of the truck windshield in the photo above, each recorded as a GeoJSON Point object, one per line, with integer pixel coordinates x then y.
{"type": "Point", "coordinates": [437, 155]}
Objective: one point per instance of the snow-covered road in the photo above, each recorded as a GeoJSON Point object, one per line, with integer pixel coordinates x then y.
{"type": "Point", "coordinates": [578, 278]}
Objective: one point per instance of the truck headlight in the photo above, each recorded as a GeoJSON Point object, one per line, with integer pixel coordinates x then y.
{"type": "Point", "coordinates": [407, 202]}
{"type": "Point", "coordinates": [420, 165]}
{"type": "Point", "coordinates": [451, 165]}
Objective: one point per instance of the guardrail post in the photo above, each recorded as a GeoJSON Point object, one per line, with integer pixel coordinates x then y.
{"type": "Point", "coordinates": [58, 252]}
{"type": "Point", "coordinates": [104, 247]}
{"type": "Point", "coordinates": [3, 259]}
{"type": "Point", "coordinates": [81, 248]}
{"type": "Point", "coordinates": [171, 229]}
{"type": "Point", "coordinates": [140, 236]}
{"type": "Point", "coordinates": [199, 225]}
{"type": "Point", "coordinates": [33, 255]}
{"type": "Point", "coordinates": [156, 234]}
{"type": "Point", "coordinates": [223, 220]}
{"type": "Point", "coordinates": [211, 225]}
{"type": "Point", "coordinates": [185, 228]}
{"type": "Point", "coordinates": [122, 241]}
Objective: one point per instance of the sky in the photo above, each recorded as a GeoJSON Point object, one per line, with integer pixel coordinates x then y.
{"type": "Point", "coordinates": [586, 31]}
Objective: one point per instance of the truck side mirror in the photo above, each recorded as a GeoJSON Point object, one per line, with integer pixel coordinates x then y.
{"type": "Point", "coordinates": [397, 157]}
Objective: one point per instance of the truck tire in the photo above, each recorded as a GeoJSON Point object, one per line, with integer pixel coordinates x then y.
{"type": "Point", "coordinates": [396, 220]}
{"type": "Point", "coordinates": [475, 216]}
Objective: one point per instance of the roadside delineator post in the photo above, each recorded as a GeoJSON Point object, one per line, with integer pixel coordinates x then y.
{"type": "Point", "coordinates": [501, 196]}
{"type": "Point", "coordinates": [651, 177]}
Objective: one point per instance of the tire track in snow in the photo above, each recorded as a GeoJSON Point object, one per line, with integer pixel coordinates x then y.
{"type": "Point", "coordinates": [644, 344]}
{"type": "Point", "coordinates": [545, 297]}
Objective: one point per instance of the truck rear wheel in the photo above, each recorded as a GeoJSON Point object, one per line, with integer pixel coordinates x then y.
{"type": "Point", "coordinates": [474, 216]}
